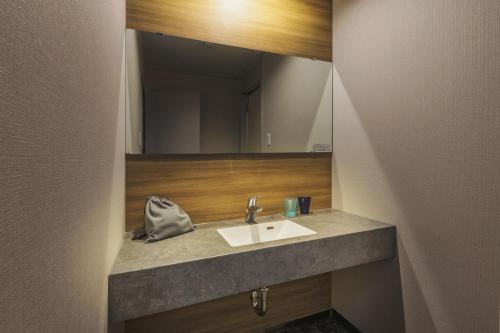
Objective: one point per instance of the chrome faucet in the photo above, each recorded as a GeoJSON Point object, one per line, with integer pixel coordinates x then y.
{"type": "Point", "coordinates": [252, 210]}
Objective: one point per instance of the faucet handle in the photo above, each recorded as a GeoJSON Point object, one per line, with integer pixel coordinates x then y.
{"type": "Point", "coordinates": [252, 201]}
{"type": "Point", "coordinates": [252, 209]}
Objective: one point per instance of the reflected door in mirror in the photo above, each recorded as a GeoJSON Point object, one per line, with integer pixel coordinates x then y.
{"type": "Point", "coordinates": [254, 123]}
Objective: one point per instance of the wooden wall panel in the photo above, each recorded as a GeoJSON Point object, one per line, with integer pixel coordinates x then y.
{"type": "Point", "coordinates": [291, 27]}
{"type": "Point", "coordinates": [287, 301]}
{"type": "Point", "coordinates": [216, 187]}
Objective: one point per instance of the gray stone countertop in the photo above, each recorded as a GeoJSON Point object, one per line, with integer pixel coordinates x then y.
{"type": "Point", "coordinates": [200, 265]}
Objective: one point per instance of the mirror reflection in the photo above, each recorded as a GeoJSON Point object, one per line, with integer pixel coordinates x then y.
{"type": "Point", "coordinates": [192, 97]}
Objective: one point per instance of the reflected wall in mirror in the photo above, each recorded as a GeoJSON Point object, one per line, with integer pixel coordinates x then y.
{"type": "Point", "coordinates": [192, 97]}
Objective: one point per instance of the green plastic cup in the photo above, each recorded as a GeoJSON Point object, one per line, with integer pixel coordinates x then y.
{"type": "Point", "coordinates": [290, 207]}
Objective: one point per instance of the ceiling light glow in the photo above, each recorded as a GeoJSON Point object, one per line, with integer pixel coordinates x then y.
{"type": "Point", "coordinates": [233, 6]}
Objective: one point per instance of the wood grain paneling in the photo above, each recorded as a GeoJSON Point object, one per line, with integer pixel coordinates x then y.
{"type": "Point", "coordinates": [216, 187]}
{"type": "Point", "coordinates": [287, 301]}
{"type": "Point", "coordinates": [290, 27]}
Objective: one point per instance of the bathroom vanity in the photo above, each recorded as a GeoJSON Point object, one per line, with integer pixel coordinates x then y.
{"type": "Point", "coordinates": [235, 104]}
{"type": "Point", "coordinates": [201, 266]}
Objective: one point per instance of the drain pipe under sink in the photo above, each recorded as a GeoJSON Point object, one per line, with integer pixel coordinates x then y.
{"type": "Point", "coordinates": [258, 298]}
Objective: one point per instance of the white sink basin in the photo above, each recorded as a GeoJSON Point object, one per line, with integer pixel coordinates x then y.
{"type": "Point", "coordinates": [263, 232]}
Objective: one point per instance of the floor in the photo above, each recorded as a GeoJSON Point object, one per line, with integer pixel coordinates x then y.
{"type": "Point", "coordinates": [324, 322]}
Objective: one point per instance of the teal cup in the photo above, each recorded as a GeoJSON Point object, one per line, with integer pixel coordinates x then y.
{"type": "Point", "coordinates": [290, 207]}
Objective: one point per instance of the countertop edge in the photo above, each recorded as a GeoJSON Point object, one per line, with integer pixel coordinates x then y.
{"type": "Point", "coordinates": [299, 241]}
{"type": "Point", "coordinates": [142, 292]}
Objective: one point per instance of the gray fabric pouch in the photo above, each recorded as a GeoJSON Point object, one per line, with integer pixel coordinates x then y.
{"type": "Point", "coordinates": [164, 219]}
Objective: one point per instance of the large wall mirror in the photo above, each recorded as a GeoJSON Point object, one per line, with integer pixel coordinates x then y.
{"type": "Point", "coordinates": [193, 97]}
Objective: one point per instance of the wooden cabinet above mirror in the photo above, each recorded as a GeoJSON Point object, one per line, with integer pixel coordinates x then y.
{"type": "Point", "coordinates": [290, 27]}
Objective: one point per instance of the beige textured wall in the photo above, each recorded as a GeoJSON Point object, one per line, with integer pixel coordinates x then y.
{"type": "Point", "coordinates": [416, 141]}
{"type": "Point", "coordinates": [61, 162]}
